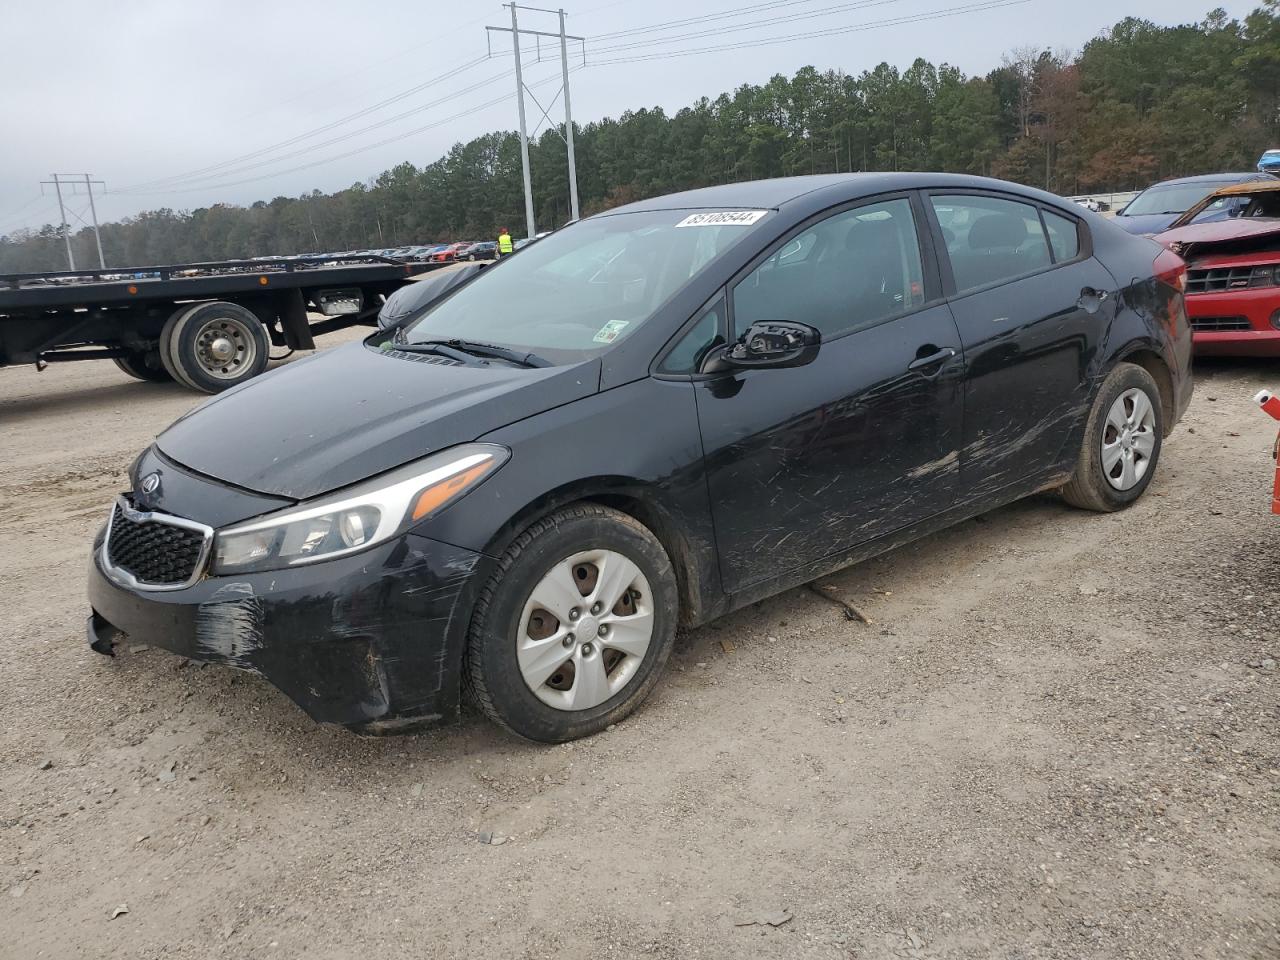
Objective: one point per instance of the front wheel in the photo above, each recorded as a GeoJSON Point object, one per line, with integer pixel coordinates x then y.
{"type": "Point", "coordinates": [572, 630]}
{"type": "Point", "coordinates": [1121, 445]}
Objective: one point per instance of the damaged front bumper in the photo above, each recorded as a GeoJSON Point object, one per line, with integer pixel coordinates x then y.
{"type": "Point", "coordinates": [372, 641]}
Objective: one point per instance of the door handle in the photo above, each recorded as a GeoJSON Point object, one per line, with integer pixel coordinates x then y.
{"type": "Point", "coordinates": [933, 359]}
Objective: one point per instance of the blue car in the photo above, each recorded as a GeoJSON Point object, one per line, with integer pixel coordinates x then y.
{"type": "Point", "coordinates": [1155, 208]}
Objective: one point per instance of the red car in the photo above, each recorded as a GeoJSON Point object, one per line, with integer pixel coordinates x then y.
{"type": "Point", "coordinates": [448, 254]}
{"type": "Point", "coordinates": [1233, 276]}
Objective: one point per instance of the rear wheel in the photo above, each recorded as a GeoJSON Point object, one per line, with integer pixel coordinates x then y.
{"type": "Point", "coordinates": [144, 365]}
{"type": "Point", "coordinates": [573, 629]}
{"type": "Point", "coordinates": [213, 346]}
{"type": "Point", "coordinates": [1121, 445]}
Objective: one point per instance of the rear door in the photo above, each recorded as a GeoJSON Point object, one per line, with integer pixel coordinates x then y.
{"type": "Point", "coordinates": [804, 462]}
{"type": "Point", "coordinates": [1032, 306]}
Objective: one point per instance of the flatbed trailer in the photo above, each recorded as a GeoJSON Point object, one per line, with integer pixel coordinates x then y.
{"type": "Point", "coordinates": [208, 326]}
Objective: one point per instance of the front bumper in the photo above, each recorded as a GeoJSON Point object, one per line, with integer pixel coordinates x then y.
{"type": "Point", "coordinates": [1255, 307]}
{"type": "Point", "coordinates": [372, 641]}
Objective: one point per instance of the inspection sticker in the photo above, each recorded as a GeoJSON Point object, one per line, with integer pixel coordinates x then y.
{"type": "Point", "coordinates": [723, 218]}
{"type": "Point", "coordinates": [610, 331]}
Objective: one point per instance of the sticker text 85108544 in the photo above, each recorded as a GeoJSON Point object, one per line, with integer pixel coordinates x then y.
{"type": "Point", "coordinates": [722, 218]}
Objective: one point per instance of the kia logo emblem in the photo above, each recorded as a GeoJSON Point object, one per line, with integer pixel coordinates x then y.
{"type": "Point", "coordinates": [150, 483]}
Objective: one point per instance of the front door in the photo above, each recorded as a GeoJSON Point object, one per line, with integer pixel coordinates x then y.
{"type": "Point", "coordinates": [1032, 307]}
{"type": "Point", "coordinates": [808, 461]}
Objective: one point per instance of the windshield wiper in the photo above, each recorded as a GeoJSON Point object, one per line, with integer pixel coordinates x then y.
{"type": "Point", "coordinates": [441, 349]}
{"type": "Point", "coordinates": [475, 349]}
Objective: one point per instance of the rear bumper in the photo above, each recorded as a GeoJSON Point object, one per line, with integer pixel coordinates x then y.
{"type": "Point", "coordinates": [372, 641]}
{"type": "Point", "coordinates": [1253, 310]}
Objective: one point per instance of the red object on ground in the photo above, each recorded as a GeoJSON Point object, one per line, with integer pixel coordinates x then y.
{"type": "Point", "coordinates": [1270, 404]}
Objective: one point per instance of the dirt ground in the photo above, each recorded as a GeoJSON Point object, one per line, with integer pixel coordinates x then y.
{"type": "Point", "coordinates": [1058, 739]}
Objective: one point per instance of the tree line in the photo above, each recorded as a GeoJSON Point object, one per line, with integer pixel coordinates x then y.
{"type": "Point", "coordinates": [1139, 103]}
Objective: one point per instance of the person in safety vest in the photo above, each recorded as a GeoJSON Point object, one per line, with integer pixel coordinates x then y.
{"type": "Point", "coordinates": [505, 246]}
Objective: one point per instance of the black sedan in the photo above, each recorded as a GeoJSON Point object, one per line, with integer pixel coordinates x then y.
{"type": "Point", "coordinates": [648, 419]}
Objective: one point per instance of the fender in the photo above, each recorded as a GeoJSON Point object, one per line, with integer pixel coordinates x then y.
{"type": "Point", "coordinates": [612, 440]}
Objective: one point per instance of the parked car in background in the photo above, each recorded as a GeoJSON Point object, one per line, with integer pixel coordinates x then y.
{"type": "Point", "coordinates": [648, 419]}
{"type": "Point", "coordinates": [484, 250]}
{"type": "Point", "coordinates": [1233, 276]}
{"type": "Point", "coordinates": [1157, 207]}
{"type": "Point", "coordinates": [447, 254]}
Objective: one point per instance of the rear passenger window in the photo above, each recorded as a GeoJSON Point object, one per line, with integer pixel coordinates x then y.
{"type": "Point", "coordinates": [990, 240]}
{"type": "Point", "coordinates": [1064, 236]}
{"type": "Point", "coordinates": [844, 273]}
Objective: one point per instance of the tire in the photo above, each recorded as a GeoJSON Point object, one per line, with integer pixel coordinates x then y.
{"type": "Point", "coordinates": [191, 336]}
{"type": "Point", "coordinates": [581, 543]}
{"type": "Point", "coordinates": [145, 365]}
{"type": "Point", "coordinates": [1100, 481]}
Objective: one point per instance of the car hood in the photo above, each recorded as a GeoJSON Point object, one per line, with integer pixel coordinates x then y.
{"type": "Point", "coordinates": [351, 413]}
{"type": "Point", "coordinates": [1145, 223]}
{"type": "Point", "coordinates": [1240, 233]}
{"type": "Point", "coordinates": [1222, 231]}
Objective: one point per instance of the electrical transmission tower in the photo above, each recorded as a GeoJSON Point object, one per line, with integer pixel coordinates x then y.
{"type": "Point", "coordinates": [73, 181]}
{"type": "Point", "coordinates": [521, 88]}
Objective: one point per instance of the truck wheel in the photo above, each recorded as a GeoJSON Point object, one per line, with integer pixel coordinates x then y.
{"type": "Point", "coordinates": [144, 365]}
{"type": "Point", "coordinates": [214, 346]}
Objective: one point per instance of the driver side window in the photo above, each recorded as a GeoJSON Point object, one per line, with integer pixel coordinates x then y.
{"type": "Point", "coordinates": [844, 273]}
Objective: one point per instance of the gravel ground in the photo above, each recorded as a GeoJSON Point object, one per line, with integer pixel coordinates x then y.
{"type": "Point", "coordinates": [1057, 739]}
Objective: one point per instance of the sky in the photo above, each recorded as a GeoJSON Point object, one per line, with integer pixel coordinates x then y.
{"type": "Point", "coordinates": [181, 104]}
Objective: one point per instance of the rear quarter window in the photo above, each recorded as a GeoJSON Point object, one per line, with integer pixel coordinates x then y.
{"type": "Point", "coordinates": [1064, 236]}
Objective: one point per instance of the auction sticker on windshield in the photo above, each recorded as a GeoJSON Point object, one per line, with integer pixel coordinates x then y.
{"type": "Point", "coordinates": [723, 218]}
{"type": "Point", "coordinates": [610, 331]}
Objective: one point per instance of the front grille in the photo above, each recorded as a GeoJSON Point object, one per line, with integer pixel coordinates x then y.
{"type": "Point", "coordinates": [1201, 280]}
{"type": "Point", "coordinates": [1219, 323]}
{"type": "Point", "coordinates": [154, 551]}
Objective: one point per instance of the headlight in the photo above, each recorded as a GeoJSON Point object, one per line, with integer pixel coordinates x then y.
{"type": "Point", "coordinates": [358, 517]}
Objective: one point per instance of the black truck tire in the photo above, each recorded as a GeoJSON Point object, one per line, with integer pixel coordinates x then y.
{"type": "Point", "coordinates": [145, 365]}
{"type": "Point", "coordinates": [212, 347]}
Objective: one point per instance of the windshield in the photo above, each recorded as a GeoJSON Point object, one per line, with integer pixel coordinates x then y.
{"type": "Point", "coordinates": [574, 293]}
{"type": "Point", "coordinates": [1172, 199]}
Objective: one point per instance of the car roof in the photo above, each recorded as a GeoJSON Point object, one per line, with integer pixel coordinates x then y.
{"type": "Point", "coordinates": [771, 194]}
{"type": "Point", "coordinates": [1212, 178]}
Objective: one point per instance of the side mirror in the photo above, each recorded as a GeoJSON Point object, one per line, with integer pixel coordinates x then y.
{"type": "Point", "coordinates": [778, 343]}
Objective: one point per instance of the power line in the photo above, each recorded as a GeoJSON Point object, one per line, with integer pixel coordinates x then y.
{"type": "Point", "coordinates": [378, 65]}
{"type": "Point", "coordinates": [447, 75]}
{"type": "Point", "coordinates": [351, 153]}
{"type": "Point", "coordinates": [20, 223]}
{"type": "Point", "coordinates": [830, 31]}
{"type": "Point", "coordinates": [237, 170]}
{"type": "Point", "coordinates": [702, 18]}
{"type": "Point", "coordinates": [17, 210]}
{"type": "Point", "coordinates": [753, 25]}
